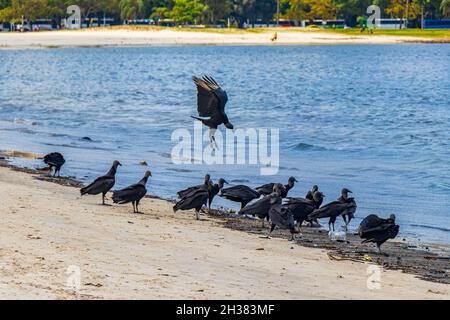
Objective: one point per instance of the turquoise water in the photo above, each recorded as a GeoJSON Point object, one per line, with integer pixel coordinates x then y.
{"type": "Point", "coordinates": [372, 118]}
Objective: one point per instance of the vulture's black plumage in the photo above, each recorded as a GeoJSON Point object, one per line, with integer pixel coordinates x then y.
{"type": "Point", "coordinates": [349, 214]}
{"type": "Point", "coordinates": [377, 230]}
{"type": "Point", "coordinates": [207, 184]}
{"type": "Point", "coordinates": [211, 101]}
{"type": "Point", "coordinates": [280, 216]}
{"type": "Point", "coordinates": [133, 194]}
{"type": "Point", "coordinates": [242, 194]}
{"type": "Point", "coordinates": [103, 184]}
{"type": "Point", "coordinates": [214, 191]}
{"type": "Point", "coordinates": [310, 194]}
{"type": "Point", "coordinates": [332, 210]}
{"type": "Point", "coordinates": [258, 209]}
{"type": "Point", "coordinates": [196, 200]}
{"type": "Point", "coordinates": [54, 160]}
{"type": "Point", "coordinates": [267, 189]}
{"type": "Point", "coordinates": [302, 208]}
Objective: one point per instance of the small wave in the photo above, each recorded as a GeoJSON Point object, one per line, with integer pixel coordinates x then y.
{"type": "Point", "coordinates": [431, 227]}
{"type": "Point", "coordinates": [240, 181]}
{"type": "Point", "coordinates": [75, 146]}
{"type": "Point", "coordinates": [179, 170]}
{"type": "Point", "coordinates": [308, 147]}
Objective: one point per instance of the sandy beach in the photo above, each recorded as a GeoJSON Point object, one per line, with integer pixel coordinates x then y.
{"type": "Point", "coordinates": [48, 229]}
{"type": "Point", "coordinates": [124, 37]}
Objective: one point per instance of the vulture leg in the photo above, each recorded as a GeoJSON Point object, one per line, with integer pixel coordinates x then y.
{"type": "Point", "coordinates": [197, 214]}
{"type": "Point", "coordinates": [381, 252]}
{"type": "Point", "coordinates": [103, 198]}
{"type": "Point", "coordinates": [293, 232]}
{"type": "Point", "coordinates": [271, 230]}
{"type": "Point", "coordinates": [134, 207]}
{"type": "Point", "coordinates": [213, 144]}
{"type": "Point", "coordinates": [346, 223]}
{"type": "Point", "coordinates": [137, 207]}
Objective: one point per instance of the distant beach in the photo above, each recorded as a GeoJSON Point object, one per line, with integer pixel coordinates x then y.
{"type": "Point", "coordinates": [149, 37]}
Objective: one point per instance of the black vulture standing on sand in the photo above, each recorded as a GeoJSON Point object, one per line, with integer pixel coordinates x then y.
{"type": "Point", "coordinates": [54, 160]}
{"type": "Point", "coordinates": [258, 209]}
{"type": "Point", "coordinates": [349, 214]}
{"type": "Point", "coordinates": [214, 191]}
{"type": "Point", "coordinates": [333, 210]}
{"type": "Point", "coordinates": [302, 208]}
{"type": "Point", "coordinates": [376, 230]}
{"type": "Point", "coordinates": [242, 194]}
{"type": "Point", "coordinates": [206, 185]}
{"type": "Point", "coordinates": [211, 101]}
{"type": "Point", "coordinates": [103, 184]}
{"type": "Point", "coordinates": [267, 189]}
{"type": "Point", "coordinates": [196, 200]}
{"type": "Point", "coordinates": [310, 196]}
{"type": "Point", "coordinates": [133, 193]}
{"type": "Point", "coordinates": [280, 216]}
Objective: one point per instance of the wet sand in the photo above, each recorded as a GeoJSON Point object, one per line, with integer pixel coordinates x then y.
{"type": "Point", "coordinates": [47, 228]}
{"type": "Point", "coordinates": [127, 37]}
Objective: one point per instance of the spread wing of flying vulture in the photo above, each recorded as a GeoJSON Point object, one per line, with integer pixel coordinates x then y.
{"type": "Point", "coordinates": [211, 102]}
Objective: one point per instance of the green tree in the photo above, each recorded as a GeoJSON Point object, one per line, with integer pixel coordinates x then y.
{"type": "Point", "coordinates": [445, 8]}
{"type": "Point", "coordinates": [217, 9]}
{"type": "Point", "coordinates": [187, 11]}
{"type": "Point", "coordinates": [132, 9]}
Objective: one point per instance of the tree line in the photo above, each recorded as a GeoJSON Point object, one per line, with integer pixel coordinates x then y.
{"type": "Point", "coordinates": [222, 11]}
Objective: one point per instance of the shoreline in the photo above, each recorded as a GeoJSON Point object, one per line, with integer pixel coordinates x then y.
{"type": "Point", "coordinates": [104, 38]}
{"type": "Point", "coordinates": [313, 267]}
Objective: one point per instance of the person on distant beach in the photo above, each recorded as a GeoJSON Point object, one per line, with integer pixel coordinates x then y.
{"type": "Point", "coordinates": [275, 37]}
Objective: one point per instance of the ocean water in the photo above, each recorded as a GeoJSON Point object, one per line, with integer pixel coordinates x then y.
{"type": "Point", "coordinates": [372, 118]}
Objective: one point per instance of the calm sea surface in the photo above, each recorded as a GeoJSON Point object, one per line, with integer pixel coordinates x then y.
{"type": "Point", "coordinates": [372, 118]}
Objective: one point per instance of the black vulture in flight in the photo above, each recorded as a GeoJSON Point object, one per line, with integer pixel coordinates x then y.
{"type": "Point", "coordinates": [333, 210]}
{"type": "Point", "coordinates": [54, 160]}
{"type": "Point", "coordinates": [376, 230]}
{"type": "Point", "coordinates": [103, 184]}
{"type": "Point", "coordinates": [206, 185]}
{"type": "Point", "coordinates": [133, 193]}
{"type": "Point", "coordinates": [267, 189]}
{"type": "Point", "coordinates": [211, 101]}
{"type": "Point", "coordinates": [242, 194]}
{"type": "Point", "coordinates": [195, 200]}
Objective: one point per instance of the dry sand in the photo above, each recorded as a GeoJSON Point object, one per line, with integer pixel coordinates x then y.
{"type": "Point", "coordinates": [120, 37]}
{"type": "Point", "coordinates": [46, 228]}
